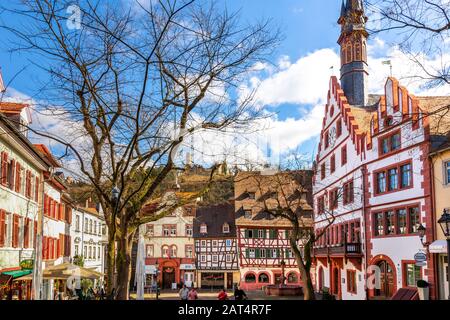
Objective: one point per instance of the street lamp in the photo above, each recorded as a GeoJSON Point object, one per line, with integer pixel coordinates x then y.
{"type": "Point", "coordinates": [444, 222]}
{"type": "Point", "coordinates": [115, 194]}
{"type": "Point", "coordinates": [422, 231]}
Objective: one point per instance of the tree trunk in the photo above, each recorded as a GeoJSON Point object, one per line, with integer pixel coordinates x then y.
{"type": "Point", "coordinates": [303, 267]}
{"type": "Point", "coordinates": [111, 259]}
{"type": "Point", "coordinates": [123, 263]}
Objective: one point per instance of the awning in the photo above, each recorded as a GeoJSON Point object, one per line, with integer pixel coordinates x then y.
{"type": "Point", "coordinates": [439, 246]}
{"type": "Point", "coordinates": [17, 273]}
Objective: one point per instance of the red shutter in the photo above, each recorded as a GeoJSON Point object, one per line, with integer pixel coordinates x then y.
{"type": "Point", "coordinates": [18, 178]}
{"type": "Point", "coordinates": [4, 172]}
{"type": "Point", "coordinates": [26, 233]}
{"type": "Point", "coordinates": [44, 248]}
{"type": "Point", "coordinates": [2, 227]}
{"type": "Point", "coordinates": [36, 190]}
{"type": "Point", "coordinates": [28, 184]}
{"type": "Point", "coordinates": [61, 212]}
{"type": "Point", "coordinates": [11, 180]}
{"type": "Point", "coordinates": [15, 235]}
{"type": "Point", "coordinates": [60, 245]}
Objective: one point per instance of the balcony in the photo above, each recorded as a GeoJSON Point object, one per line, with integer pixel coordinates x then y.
{"type": "Point", "coordinates": [342, 250]}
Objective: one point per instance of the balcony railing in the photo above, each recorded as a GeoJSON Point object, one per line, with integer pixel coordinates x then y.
{"type": "Point", "coordinates": [343, 249]}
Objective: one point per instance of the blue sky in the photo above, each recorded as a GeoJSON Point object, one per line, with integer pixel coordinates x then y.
{"type": "Point", "coordinates": [295, 87]}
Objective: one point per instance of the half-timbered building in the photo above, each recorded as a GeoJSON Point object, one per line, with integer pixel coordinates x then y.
{"type": "Point", "coordinates": [372, 179]}
{"type": "Point", "coordinates": [265, 255]}
{"type": "Point", "coordinates": [216, 247]}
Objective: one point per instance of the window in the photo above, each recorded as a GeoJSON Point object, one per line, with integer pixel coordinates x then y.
{"type": "Point", "coordinates": [332, 111]}
{"type": "Point", "coordinates": [76, 249]}
{"type": "Point", "coordinates": [250, 278]}
{"type": "Point", "coordinates": [393, 179]}
{"type": "Point", "coordinates": [189, 230]}
{"type": "Point", "coordinates": [150, 230]}
{"type": "Point", "coordinates": [15, 231]}
{"type": "Point", "coordinates": [94, 254]}
{"type": "Point", "coordinates": [327, 139]}
{"type": "Point", "coordinates": [414, 220]}
{"type": "Point", "coordinates": [333, 163]}
{"type": "Point", "coordinates": [349, 193]}
{"type": "Point", "coordinates": [98, 253]}
{"type": "Point", "coordinates": [95, 227]}
{"type": "Point", "coordinates": [228, 243]}
{"type": "Point", "coordinates": [390, 222]}
{"type": "Point", "coordinates": [203, 228]}
{"type": "Point", "coordinates": [165, 251]}
{"type": "Point", "coordinates": [406, 175]}
{"type": "Point", "coordinates": [379, 224]}
{"type": "Point", "coordinates": [344, 155]}
{"type": "Point", "coordinates": [412, 274]}
{"type": "Point", "coordinates": [215, 243]}
{"type": "Point", "coordinates": [77, 223]}
{"type": "Point", "coordinates": [90, 252]}
{"type": "Point", "coordinates": [261, 234]}
{"type": "Point", "coordinates": [86, 225]}
{"type": "Point", "coordinates": [203, 243]}
{"type": "Point", "coordinates": [215, 258]}
{"type": "Point", "coordinates": [229, 258]}
{"type": "Point", "coordinates": [251, 195]}
{"type": "Point", "coordinates": [333, 199]}
{"type": "Point", "coordinates": [321, 204]}
{"type": "Point", "coordinates": [397, 221]}
{"type": "Point", "coordinates": [351, 281]}
{"type": "Point", "coordinates": [390, 143]}
{"type": "Point", "coordinates": [251, 253]}
{"type": "Point", "coordinates": [402, 221]}
{"type": "Point", "coordinates": [338, 128]}
{"type": "Point", "coordinates": [203, 258]}
{"type": "Point", "coordinates": [189, 251]}
{"type": "Point", "coordinates": [150, 251]}
{"type": "Point", "coordinates": [173, 251]}
{"type": "Point", "coordinates": [248, 214]}
{"type": "Point", "coordinates": [85, 252]}
{"type": "Point", "coordinates": [322, 171]}
{"type": "Point", "coordinates": [226, 228]}
{"type": "Point", "coordinates": [389, 180]}
{"type": "Point", "coordinates": [447, 172]}
{"type": "Point", "coordinates": [292, 278]}
{"type": "Point", "coordinates": [381, 182]}
{"type": "Point", "coordinates": [169, 230]}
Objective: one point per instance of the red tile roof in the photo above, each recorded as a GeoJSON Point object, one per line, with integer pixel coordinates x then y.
{"type": "Point", "coordinates": [47, 154]}
{"type": "Point", "coordinates": [11, 107]}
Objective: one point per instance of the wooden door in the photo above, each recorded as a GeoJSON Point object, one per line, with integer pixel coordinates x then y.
{"type": "Point", "coordinates": [229, 280]}
{"type": "Point", "coordinates": [168, 278]}
{"type": "Point", "coordinates": [387, 281]}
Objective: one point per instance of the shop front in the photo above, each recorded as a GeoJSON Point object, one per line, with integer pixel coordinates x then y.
{"type": "Point", "coordinates": [439, 249]}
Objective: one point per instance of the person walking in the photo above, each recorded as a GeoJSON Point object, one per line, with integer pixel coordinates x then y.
{"type": "Point", "coordinates": [193, 294]}
{"type": "Point", "coordinates": [222, 295]}
{"type": "Point", "coordinates": [239, 294]}
{"type": "Point", "coordinates": [184, 292]}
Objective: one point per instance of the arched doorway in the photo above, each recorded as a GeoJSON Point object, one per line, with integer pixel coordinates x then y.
{"type": "Point", "coordinates": [336, 281]}
{"type": "Point", "coordinates": [321, 277]}
{"type": "Point", "coordinates": [387, 279]}
{"type": "Point", "coordinates": [168, 277]}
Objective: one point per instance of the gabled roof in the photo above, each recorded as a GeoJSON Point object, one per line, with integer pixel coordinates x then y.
{"type": "Point", "coordinates": [47, 154]}
{"type": "Point", "coordinates": [215, 217]}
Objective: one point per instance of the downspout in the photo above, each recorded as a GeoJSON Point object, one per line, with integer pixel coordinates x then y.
{"type": "Point", "coordinates": [433, 222]}
{"type": "Point", "coordinates": [366, 247]}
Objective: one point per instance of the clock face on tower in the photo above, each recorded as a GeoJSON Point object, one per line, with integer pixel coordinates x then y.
{"type": "Point", "coordinates": [332, 136]}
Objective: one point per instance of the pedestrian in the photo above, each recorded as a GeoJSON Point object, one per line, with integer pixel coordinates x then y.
{"type": "Point", "coordinates": [222, 295]}
{"type": "Point", "coordinates": [193, 294]}
{"type": "Point", "coordinates": [184, 292]}
{"type": "Point", "coordinates": [239, 294]}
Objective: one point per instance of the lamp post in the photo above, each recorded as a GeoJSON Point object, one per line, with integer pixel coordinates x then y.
{"type": "Point", "coordinates": [444, 222]}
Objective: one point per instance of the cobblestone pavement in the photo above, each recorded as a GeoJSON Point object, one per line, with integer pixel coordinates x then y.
{"type": "Point", "coordinates": [212, 295]}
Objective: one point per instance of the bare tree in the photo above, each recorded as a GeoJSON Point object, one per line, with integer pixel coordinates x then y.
{"type": "Point", "coordinates": [288, 195]}
{"type": "Point", "coordinates": [132, 84]}
{"type": "Point", "coordinates": [422, 27]}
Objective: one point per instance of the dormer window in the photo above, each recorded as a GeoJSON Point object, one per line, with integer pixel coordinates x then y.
{"type": "Point", "coordinates": [248, 214]}
{"type": "Point", "coordinates": [226, 228]}
{"type": "Point", "coordinates": [251, 195]}
{"type": "Point", "coordinates": [388, 122]}
{"type": "Point", "coordinates": [203, 228]}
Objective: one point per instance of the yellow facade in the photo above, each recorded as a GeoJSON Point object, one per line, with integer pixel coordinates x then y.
{"type": "Point", "coordinates": [441, 188]}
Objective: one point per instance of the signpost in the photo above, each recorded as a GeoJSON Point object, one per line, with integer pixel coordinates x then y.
{"type": "Point", "coordinates": [421, 259]}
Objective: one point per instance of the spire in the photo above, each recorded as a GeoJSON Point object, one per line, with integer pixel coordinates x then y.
{"type": "Point", "coordinates": [353, 42]}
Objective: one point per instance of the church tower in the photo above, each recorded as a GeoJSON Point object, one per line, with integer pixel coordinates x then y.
{"type": "Point", "coordinates": [353, 42]}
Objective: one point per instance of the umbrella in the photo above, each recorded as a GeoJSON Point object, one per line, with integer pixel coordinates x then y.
{"type": "Point", "coordinates": [65, 271]}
